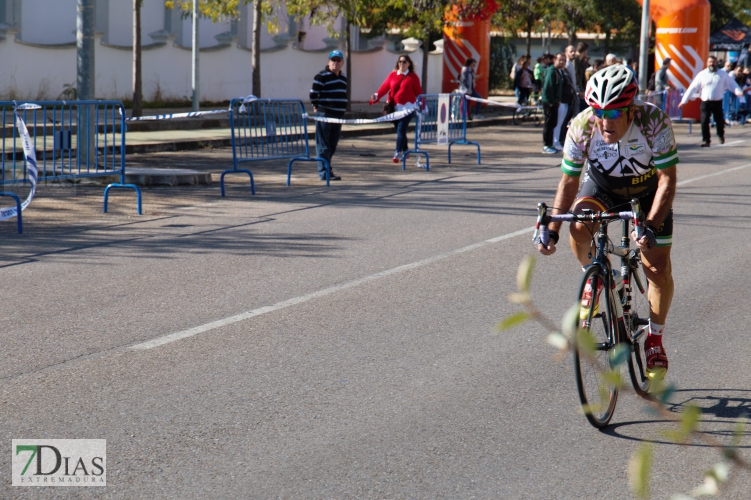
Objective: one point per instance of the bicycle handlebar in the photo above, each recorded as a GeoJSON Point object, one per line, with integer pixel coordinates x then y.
{"type": "Point", "coordinates": [543, 219]}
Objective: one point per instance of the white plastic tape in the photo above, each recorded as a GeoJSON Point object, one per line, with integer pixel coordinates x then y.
{"type": "Point", "coordinates": [392, 117]}
{"type": "Point", "coordinates": [31, 163]}
{"type": "Point", "coordinates": [493, 103]}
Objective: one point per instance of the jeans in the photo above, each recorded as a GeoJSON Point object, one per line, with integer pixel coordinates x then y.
{"type": "Point", "coordinates": [550, 111]}
{"type": "Point", "coordinates": [478, 105]}
{"type": "Point", "coordinates": [708, 109]}
{"type": "Point", "coordinates": [562, 113]}
{"type": "Point", "coordinates": [327, 137]}
{"type": "Point", "coordinates": [401, 127]}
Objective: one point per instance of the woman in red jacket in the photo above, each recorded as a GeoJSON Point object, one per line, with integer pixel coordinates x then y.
{"type": "Point", "coordinates": [403, 87]}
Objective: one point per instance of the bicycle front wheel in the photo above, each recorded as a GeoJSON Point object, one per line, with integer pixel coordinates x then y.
{"type": "Point", "coordinates": [636, 327]}
{"type": "Point", "coordinates": [594, 343]}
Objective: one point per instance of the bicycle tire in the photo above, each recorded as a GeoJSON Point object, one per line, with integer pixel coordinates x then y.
{"type": "Point", "coordinates": [597, 396]}
{"type": "Point", "coordinates": [637, 361]}
{"type": "Point", "coordinates": [517, 118]}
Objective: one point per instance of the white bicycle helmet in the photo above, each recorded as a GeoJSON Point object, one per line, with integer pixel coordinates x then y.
{"type": "Point", "coordinates": [611, 87]}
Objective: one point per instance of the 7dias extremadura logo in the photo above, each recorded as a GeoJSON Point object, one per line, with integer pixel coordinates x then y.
{"type": "Point", "coordinates": [59, 462]}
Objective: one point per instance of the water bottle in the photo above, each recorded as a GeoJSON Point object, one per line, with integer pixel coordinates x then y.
{"type": "Point", "coordinates": [618, 283]}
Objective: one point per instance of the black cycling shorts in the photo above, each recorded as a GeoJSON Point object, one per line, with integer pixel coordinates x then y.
{"type": "Point", "coordinates": [590, 192]}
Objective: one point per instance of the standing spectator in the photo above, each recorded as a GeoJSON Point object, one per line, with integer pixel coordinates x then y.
{"type": "Point", "coordinates": [570, 58]}
{"type": "Point", "coordinates": [517, 67]}
{"type": "Point", "coordinates": [728, 67]}
{"type": "Point", "coordinates": [551, 98]}
{"type": "Point", "coordinates": [711, 84]}
{"type": "Point", "coordinates": [539, 72]}
{"type": "Point", "coordinates": [467, 85]}
{"type": "Point", "coordinates": [662, 83]}
{"type": "Point", "coordinates": [566, 110]}
{"type": "Point", "coordinates": [524, 82]}
{"type": "Point", "coordinates": [403, 87]}
{"type": "Point", "coordinates": [580, 69]}
{"type": "Point", "coordinates": [597, 65]}
{"type": "Point", "coordinates": [611, 59]}
{"type": "Point", "coordinates": [743, 59]}
{"type": "Point", "coordinates": [329, 99]}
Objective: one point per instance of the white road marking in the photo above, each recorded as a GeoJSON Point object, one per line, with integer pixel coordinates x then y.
{"type": "Point", "coordinates": [173, 337]}
{"type": "Point", "coordinates": [732, 143]}
{"type": "Point", "coordinates": [740, 167]}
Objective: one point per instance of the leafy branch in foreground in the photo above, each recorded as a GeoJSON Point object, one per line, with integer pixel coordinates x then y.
{"type": "Point", "coordinates": [688, 422]}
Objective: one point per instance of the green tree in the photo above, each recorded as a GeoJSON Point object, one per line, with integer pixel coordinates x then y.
{"type": "Point", "coordinates": [723, 11]}
{"type": "Point", "coordinates": [618, 20]}
{"type": "Point", "coordinates": [517, 16]}
{"type": "Point", "coordinates": [223, 9]}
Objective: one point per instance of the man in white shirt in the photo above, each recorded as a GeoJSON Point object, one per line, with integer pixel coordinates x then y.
{"type": "Point", "coordinates": [711, 84]}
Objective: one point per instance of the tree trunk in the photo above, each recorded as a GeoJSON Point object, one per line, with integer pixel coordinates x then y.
{"type": "Point", "coordinates": [530, 24]}
{"type": "Point", "coordinates": [606, 46]}
{"type": "Point", "coordinates": [425, 53]}
{"type": "Point", "coordinates": [348, 49]}
{"type": "Point", "coordinates": [256, 48]}
{"type": "Point", "coordinates": [137, 80]}
{"type": "Point", "coordinates": [572, 36]}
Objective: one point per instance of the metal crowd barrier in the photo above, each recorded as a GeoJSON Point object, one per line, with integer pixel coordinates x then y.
{"type": "Point", "coordinates": [731, 108]}
{"type": "Point", "coordinates": [656, 98]}
{"type": "Point", "coordinates": [672, 100]}
{"type": "Point", "coordinates": [268, 129]}
{"type": "Point", "coordinates": [427, 130]}
{"type": "Point", "coordinates": [73, 140]}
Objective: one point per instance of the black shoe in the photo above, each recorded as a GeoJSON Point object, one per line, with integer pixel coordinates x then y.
{"type": "Point", "coordinates": [722, 140]}
{"type": "Point", "coordinates": [705, 144]}
{"type": "Point", "coordinates": [332, 177]}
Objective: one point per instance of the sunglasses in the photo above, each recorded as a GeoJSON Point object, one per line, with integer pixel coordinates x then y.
{"type": "Point", "coordinates": [336, 59]}
{"type": "Point", "coordinates": [403, 62]}
{"type": "Point", "coordinates": [610, 114]}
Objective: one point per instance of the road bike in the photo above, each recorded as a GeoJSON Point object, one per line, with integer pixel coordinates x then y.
{"type": "Point", "coordinates": [611, 319]}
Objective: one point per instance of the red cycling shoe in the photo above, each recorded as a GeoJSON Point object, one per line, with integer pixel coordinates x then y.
{"type": "Point", "coordinates": [657, 358]}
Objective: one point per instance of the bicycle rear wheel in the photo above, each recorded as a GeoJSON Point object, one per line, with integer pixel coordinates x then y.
{"type": "Point", "coordinates": [636, 327]}
{"type": "Point", "coordinates": [594, 342]}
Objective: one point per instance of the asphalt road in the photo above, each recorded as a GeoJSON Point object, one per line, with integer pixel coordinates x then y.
{"type": "Point", "coordinates": [340, 343]}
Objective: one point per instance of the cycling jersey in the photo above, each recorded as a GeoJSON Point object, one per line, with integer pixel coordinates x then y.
{"type": "Point", "coordinates": [626, 168]}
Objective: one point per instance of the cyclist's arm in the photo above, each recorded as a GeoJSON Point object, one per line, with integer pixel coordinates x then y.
{"type": "Point", "coordinates": [666, 182]}
{"type": "Point", "coordinates": [564, 198]}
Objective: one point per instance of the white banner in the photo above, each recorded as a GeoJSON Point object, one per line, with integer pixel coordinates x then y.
{"type": "Point", "coordinates": [397, 115]}
{"type": "Point", "coordinates": [442, 121]}
{"type": "Point", "coordinates": [192, 114]}
{"type": "Point", "coordinates": [494, 103]}
{"type": "Point", "coordinates": [31, 163]}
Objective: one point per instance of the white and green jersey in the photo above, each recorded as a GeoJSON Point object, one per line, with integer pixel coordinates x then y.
{"type": "Point", "coordinates": [626, 168]}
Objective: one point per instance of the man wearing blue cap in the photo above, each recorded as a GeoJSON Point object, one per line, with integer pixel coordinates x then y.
{"type": "Point", "coordinates": [329, 98]}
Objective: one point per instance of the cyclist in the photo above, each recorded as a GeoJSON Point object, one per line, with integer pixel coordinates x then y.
{"type": "Point", "coordinates": [626, 149]}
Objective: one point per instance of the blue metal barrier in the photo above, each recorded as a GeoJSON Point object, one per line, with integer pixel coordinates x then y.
{"type": "Point", "coordinates": [426, 127]}
{"type": "Point", "coordinates": [657, 98]}
{"type": "Point", "coordinates": [269, 129]}
{"type": "Point", "coordinates": [73, 140]}
{"type": "Point", "coordinates": [672, 100]}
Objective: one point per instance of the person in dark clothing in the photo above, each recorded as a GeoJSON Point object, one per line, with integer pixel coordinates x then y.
{"type": "Point", "coordinates": [551, 98]}
{"type": "Point", "coordinates": [524, 82]}
{"type": "Point", "coordinates": [571, 100]}
{"type": "Point", "coordinates": [329, 99]}
{"type": "Point", "coordinates": [580, 68]}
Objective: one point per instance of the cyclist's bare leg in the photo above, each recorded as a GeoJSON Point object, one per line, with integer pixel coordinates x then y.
{"type": "Point", "coordinates": [581, 234]}
{"type": "Point", "coordinates": [658, 269]}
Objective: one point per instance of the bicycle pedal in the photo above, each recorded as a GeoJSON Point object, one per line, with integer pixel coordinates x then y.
{"type": "Point", "coordinates": [656, 373]}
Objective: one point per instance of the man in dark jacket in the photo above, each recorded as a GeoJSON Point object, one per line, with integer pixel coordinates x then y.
{"type": "Point", "coordinates": [580, 66]}
{"type": "Point", "coordinates": [329, 99]}
{"type": "Point", "coordinates": [552, 86]}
